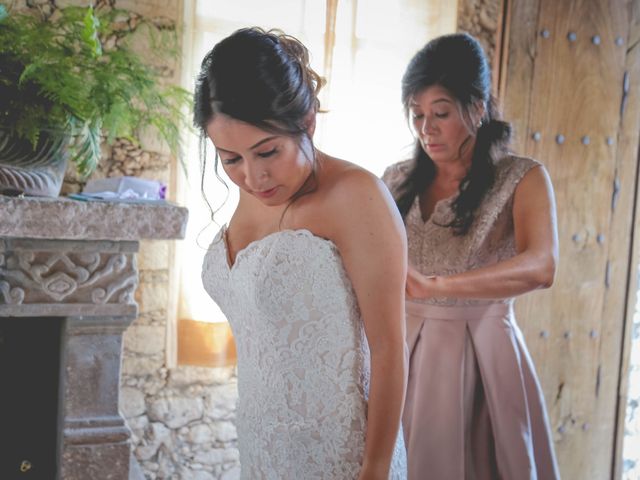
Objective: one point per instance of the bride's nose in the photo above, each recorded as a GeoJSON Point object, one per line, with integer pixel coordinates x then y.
{"type": "Point", "coordinates": [255, 175]}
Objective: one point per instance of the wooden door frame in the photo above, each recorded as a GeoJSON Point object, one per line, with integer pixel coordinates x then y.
{"type": "Point", "coordinates": [629, 130]}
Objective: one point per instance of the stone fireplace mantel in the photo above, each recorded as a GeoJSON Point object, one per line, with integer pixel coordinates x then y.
{"type": "Point", "coordinates": [76, 261]}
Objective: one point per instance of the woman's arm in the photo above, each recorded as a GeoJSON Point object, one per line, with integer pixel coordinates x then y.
{"type": "Point", "coordinates": [536, 237]}
{"type": "Point", "coordinates": [371, 239]}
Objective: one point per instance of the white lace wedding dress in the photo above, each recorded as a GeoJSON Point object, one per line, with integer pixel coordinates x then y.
{"type": "Point", "coordinates": [303, 359]}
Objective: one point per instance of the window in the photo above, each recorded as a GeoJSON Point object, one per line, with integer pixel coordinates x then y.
{"type": "Point", "coordinates": [362, 48]}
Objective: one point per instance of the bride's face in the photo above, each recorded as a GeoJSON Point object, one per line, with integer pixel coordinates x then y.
{"type": "Point", "coordinates": [268, 166]}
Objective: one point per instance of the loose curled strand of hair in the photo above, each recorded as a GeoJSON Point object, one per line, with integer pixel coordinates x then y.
{"type": "Point", "coordinates": [300, 54]}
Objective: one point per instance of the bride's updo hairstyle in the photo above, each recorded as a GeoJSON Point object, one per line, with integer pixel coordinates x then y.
{"type": "Point", "coordinates": [262, 78]}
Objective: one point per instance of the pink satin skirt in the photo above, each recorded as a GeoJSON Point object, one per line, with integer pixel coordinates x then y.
{"type": "Point", "coordinates": [474, 407]}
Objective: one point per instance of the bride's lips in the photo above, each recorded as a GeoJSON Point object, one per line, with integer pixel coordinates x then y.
{"type": "Point", "coordinates": [266, 193]}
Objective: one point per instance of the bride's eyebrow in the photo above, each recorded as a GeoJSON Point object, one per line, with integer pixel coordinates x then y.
{"type": "Point", "coordinates": [264, 140]}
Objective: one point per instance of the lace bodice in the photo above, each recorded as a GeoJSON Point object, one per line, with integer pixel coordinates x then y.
{"type": "Point", "coordinates": [303, 358]}
{"type": "Point", "coordinates": [435, 250]}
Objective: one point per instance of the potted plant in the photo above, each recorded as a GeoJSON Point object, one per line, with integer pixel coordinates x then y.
{"type": "Point", "coordinates": [68, 82]}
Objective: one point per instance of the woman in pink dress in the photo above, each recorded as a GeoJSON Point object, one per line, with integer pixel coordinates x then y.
{"type": "Point", "coordinates": [481, 228]}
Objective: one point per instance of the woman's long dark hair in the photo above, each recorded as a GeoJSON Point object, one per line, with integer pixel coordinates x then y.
{"type": "Point", "coordinates": [457, 63]}
{"type": "Point", "coordinates": [262, 78]}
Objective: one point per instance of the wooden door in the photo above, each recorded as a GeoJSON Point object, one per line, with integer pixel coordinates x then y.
{"type": "Point", "coordinates": [570, 82]}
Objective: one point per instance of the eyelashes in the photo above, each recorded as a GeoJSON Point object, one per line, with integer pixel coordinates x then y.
{"type": "Point", "coordinates": [420, 116]}
{"type": "Point", "coordinates": [267, 154]}
{"type": "Point", "coordinates": [230, 161]}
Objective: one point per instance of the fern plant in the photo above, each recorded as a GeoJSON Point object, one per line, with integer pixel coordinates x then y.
{"type": "Point", "coordinates": [56, 77]}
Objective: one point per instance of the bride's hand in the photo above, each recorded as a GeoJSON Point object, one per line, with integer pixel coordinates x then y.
{"type": "Point", "coordinates": [373, 474]}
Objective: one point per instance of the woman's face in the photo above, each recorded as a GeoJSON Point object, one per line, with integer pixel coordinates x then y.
{"type": "Point", "coordinates": [439, 126]}
{"type": "Point", "coordinates": [268, 166]}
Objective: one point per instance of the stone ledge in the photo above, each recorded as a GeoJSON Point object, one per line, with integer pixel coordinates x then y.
{"type": "Point", "coordinates": [67, 310]}
{"type": "Point", "coordinates": [63, 218]}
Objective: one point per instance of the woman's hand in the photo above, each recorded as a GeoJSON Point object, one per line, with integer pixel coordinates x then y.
{"type": "Point", "coordinates": [534, 265]}
{"type": "Point", "coordinates": [418, 285]}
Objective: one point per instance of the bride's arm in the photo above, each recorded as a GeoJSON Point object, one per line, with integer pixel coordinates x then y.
{"type": "Point", "coordinates": [370, 236]}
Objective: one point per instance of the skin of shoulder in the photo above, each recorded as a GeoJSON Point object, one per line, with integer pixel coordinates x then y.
{"type": "Point", "coordinates": [354, 198]}
{"type": "Point", "coordinates": [535, 221]}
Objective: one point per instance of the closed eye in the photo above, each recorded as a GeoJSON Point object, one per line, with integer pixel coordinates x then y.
{"type": "Point", "coordinates": [269, 153]}
{"type": "Point", "coordinates": [230, 161]}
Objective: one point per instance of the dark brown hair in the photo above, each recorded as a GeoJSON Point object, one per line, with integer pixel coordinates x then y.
{"type": "Point", "coordinates": [262, 78]}
{"type": "Point", "coordinates": [457, 63]}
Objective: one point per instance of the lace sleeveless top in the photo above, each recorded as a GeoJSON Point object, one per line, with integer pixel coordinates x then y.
{"type": "Point", "coordinates": [433, 247]}
{"type": "Point", "coordinates": [303, 358]}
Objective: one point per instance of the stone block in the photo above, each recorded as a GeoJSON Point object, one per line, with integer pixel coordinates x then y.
{"type": "Point", "coordinates": [73, 3]}
{"type": "Point", "coordinates": [188, 375]}
{"type": "Point", "coordinates": [132, 402]}
{"type": "Point", "coordinates": [145, 339]}
{"type": "Point", "coordinates": [200, 434]}
{"type": "Point", "coordinates": [196, 474]}
{"type": "Point", "coordinates": [231, 455]}
{"type": "Point", "coordinates": [176, 412]}
{"type": "Point", "coordinates": [138, 426]}
{"type": "Point", "coordinates": [141, 366]}
{"type": "Point", "coordinates": [171, 9]}
{"type": "Point", "coordinates": [232, 474]}
{"type": "Point", "coordinates": [155, 317]}
{"type": "Point", "coordinates": [224, 431]}
{"type": "Point", "coordinates": [153, 296]}
{"type": "Point", "coordinates": [220, 402]}
{"type": "Point", "coordinates": [212, 456]}
{"type": "Point", "coordinates": [153, 255]}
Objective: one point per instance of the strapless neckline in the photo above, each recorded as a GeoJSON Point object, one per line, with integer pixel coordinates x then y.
{"type": "Point", "coordinates": [270, 236]}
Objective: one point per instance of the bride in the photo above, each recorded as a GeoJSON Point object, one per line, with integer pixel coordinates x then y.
{"type": "Point", "coordinates": [310, 273]}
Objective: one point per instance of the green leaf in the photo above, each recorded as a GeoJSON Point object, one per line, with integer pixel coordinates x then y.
{"type": "Point", "coordinates": [56, 75]}
{"type": "Point", "coordinates": [85, 147]}
{"type": "Point", "coordinates": [90, 32]}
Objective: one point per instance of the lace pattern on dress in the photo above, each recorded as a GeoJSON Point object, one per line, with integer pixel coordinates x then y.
{"type": "Point", "coordinates": [303, 358]}
{"type": "Point", "coordinates": [435, 250]}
